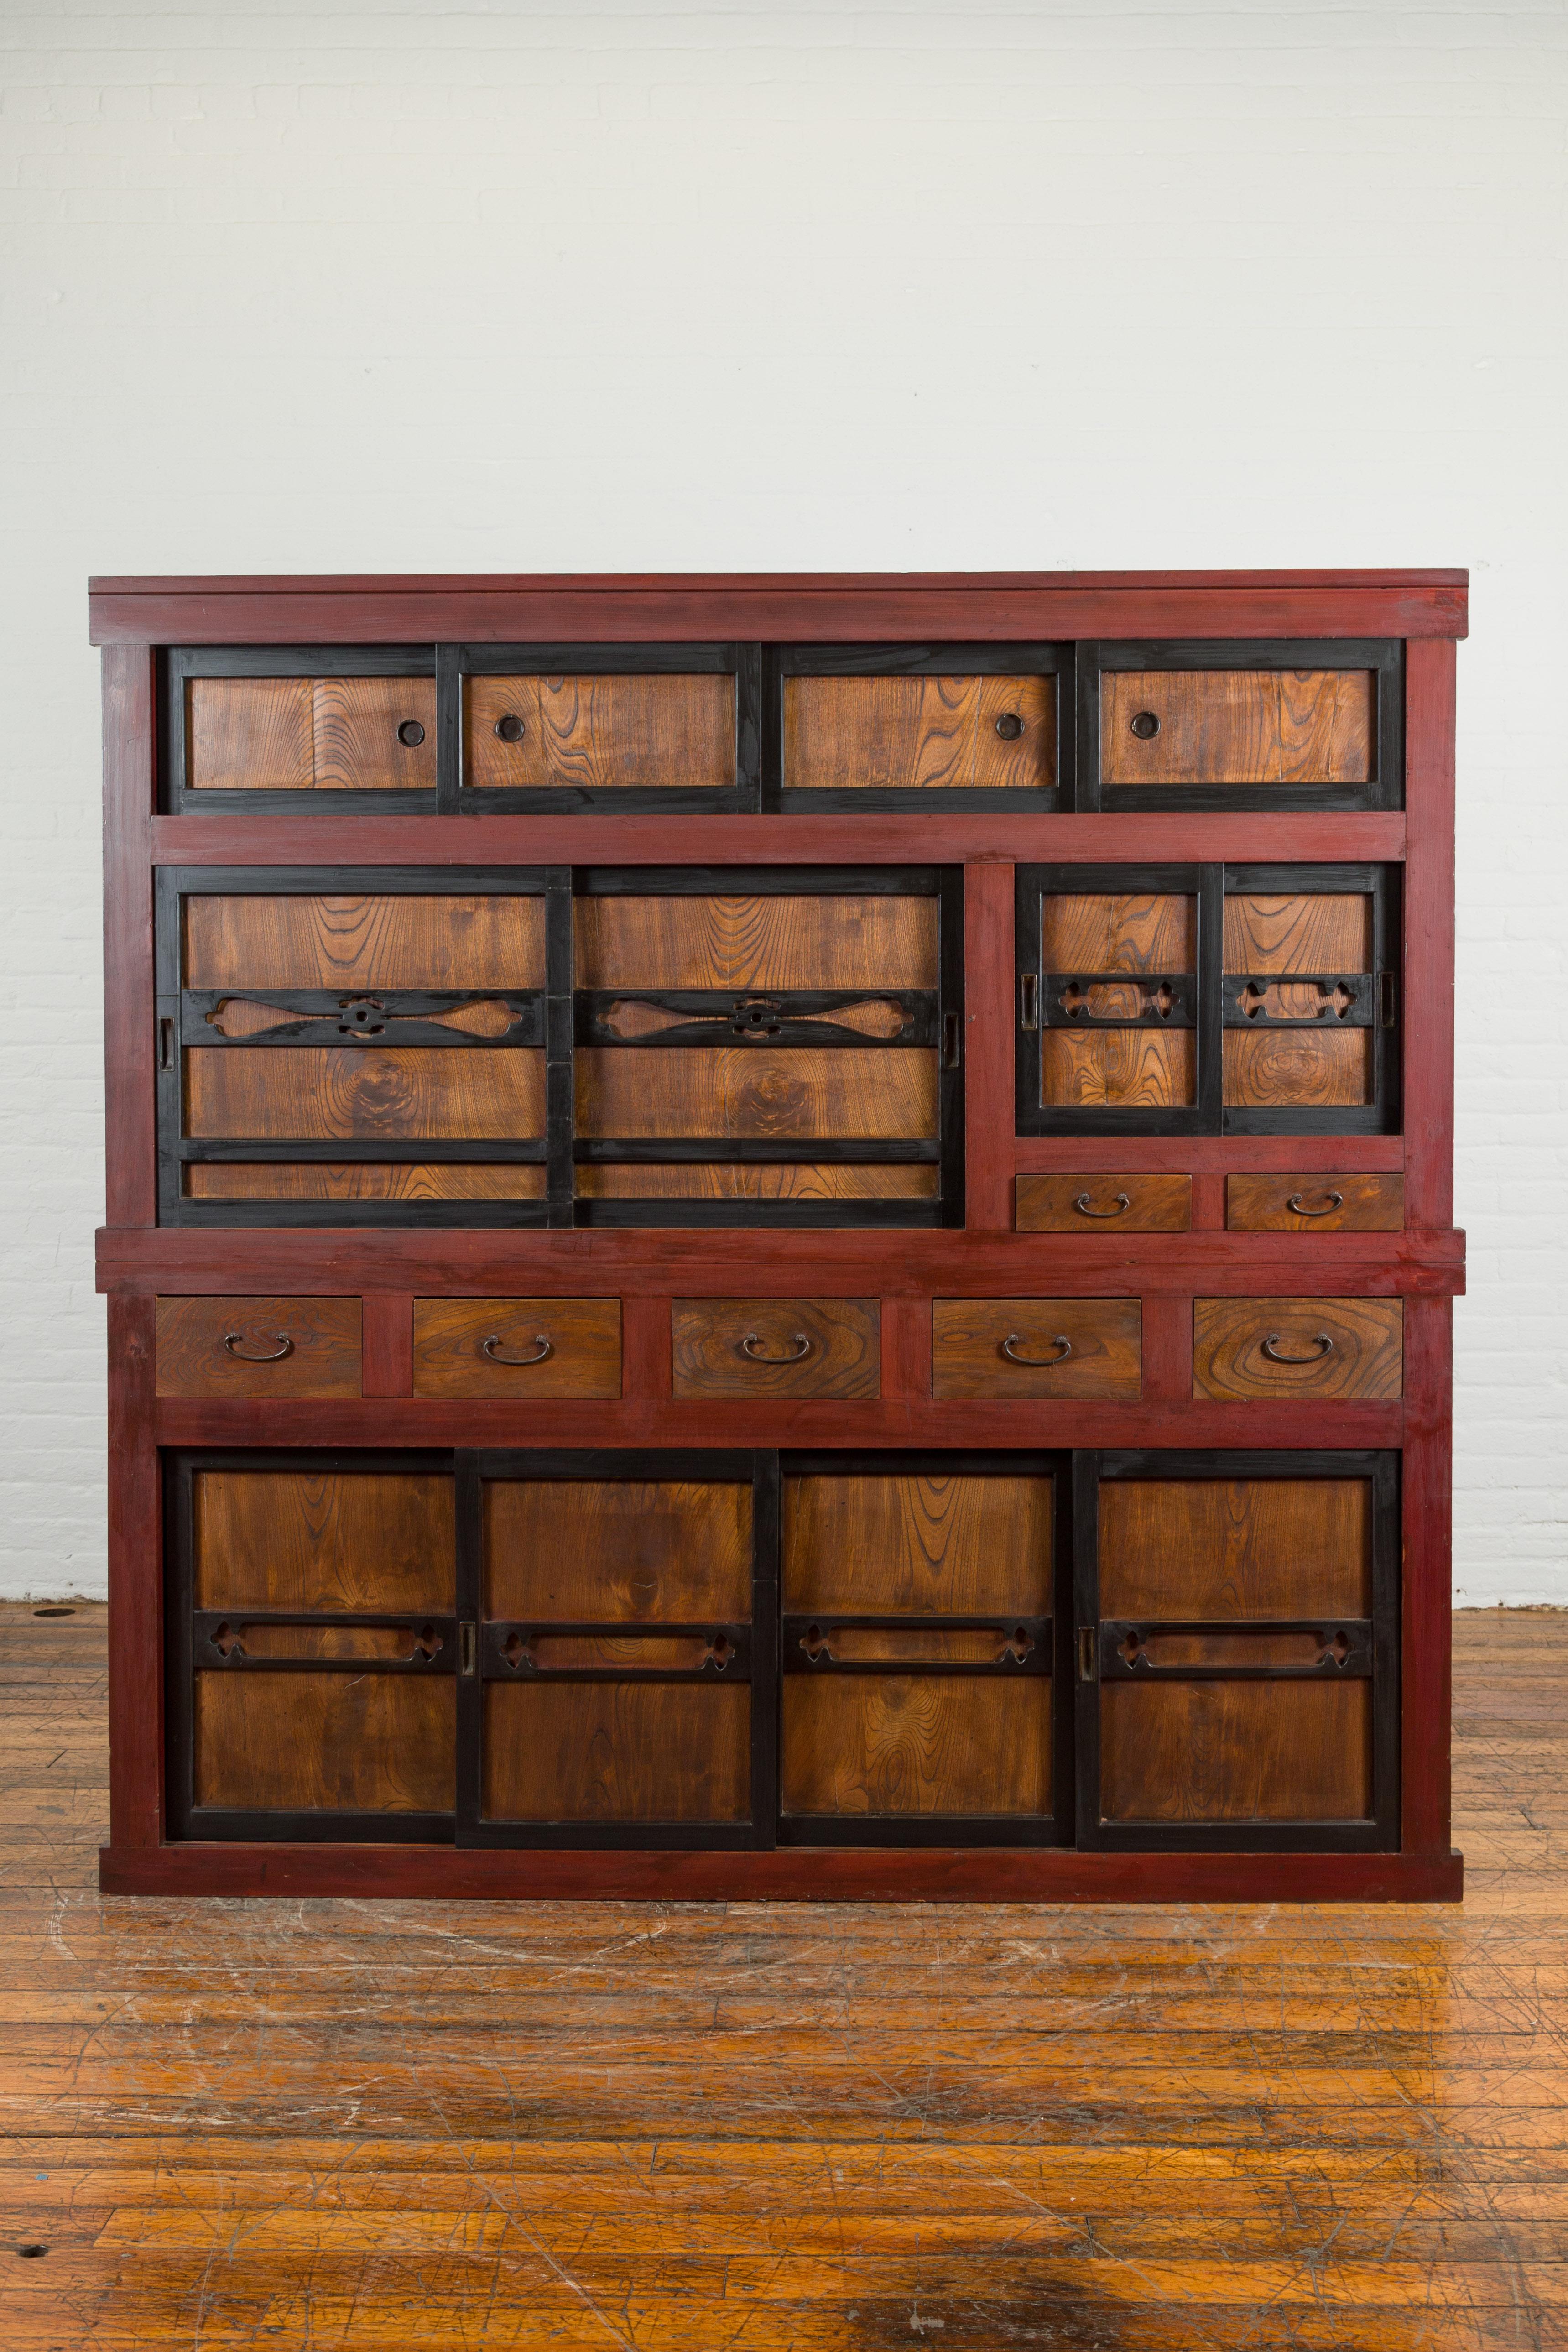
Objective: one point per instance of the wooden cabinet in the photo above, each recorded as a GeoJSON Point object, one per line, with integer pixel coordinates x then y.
{"type": "Point", "coordinates": [776, 1239]}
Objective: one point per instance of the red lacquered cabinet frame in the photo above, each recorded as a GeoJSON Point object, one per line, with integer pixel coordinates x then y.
{"type": "Point", "coordinates": [941, 1077]}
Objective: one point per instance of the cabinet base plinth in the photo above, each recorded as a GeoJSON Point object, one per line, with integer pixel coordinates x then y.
{"type": "Point", "coordinates": [789, 1875]}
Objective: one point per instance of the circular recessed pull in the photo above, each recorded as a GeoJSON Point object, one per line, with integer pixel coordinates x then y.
{"type": "Point", "coordinates": [1012, 1343]}
{"type": "Point", "coordinates": [752, 1346]}
{"type": "Point", "coordinates": [493, 1346]}
{"type": "Point", "coordinates": [410, 734]}
{"type": "Point", "coordinates": [1321, 1345]}
{"type": "Point", "coordinates": [1145, 725]}
{"type": "Point", "coordinates": [234, 1341]}
{"type": "Point", "coordinates": [1009, 726]}
{"type": "Point", "coordinates": [1084, 1209]}
{"type": "Point", "coordinates": [508, 727]}
{"type": "Point", "coordinates": [1299, 1208]}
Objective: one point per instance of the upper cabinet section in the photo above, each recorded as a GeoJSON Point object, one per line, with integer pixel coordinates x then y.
{"type": "Point", "coordinates": [731, 730]}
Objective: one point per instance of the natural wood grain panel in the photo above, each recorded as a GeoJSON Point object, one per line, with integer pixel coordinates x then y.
{"type": "Point", "coordinates": [915, 1743]}
{"type": "Point", "coordinates": [576, 1549]}
{"type": "Point", "coordinates": [1102, 1359]}
{"type": "Point", "coordinates": [333, 1743]}
{"type": "Point", "coordinates": [1298, 1068]}
{"type": "Point", "coordinates": [617, 1751]}
{"type": "Point", "coordinates": [322, 1358]}
{"type": "Point", "coordinates": [355, 723]}
{"type": "Point", "coordinates": [1234, 1547]}
{"type": "Point", "coordinates": [596, 732]}
{"type": "Point", "coordinates": [1144, 1069]}
{"type": "Point", "coordinates": [327, 1094]}
{"type": "Point", "coordinates": [676, 941]}
{"type": "Point", "coordinates": [1153, 1204]}
{"type": "Point", "coordinates": [249, 734]}
{"type": "Point", "coordinates": [1365, 1359]}
{"type": "Point", "coordinates": [930, 1546]}
{"type": "Point", "coordinates": [477, 941]}
{"type": "Point", "coordinates": [757, 1091]}
{"type": "Point", "coordinates": [1238, 726]}
{"type": "Point", "coordinates": [785, 1180]}
{"type": "Point", "coordinates": [643, 1653]}
{"type": "Point", "coordinates": [1269, 1751]}
{"type": "Point", "coordinates": [364, 1179]}
{"type": "Point", "coordinates": [279, 1540]}
{"type": "Point", "coordinates": [937, 733]}
{"type": "Point", "coordinates": [583, 1334]}
{"type": "Point", "coordinates": [841, 1358]}
{"type": "Point", "coordinates": [1298, 930]}
{"type": "Point", "coordinates": [1138, 931]}
{"type": "Point", "coordinates": [1367, 1204]}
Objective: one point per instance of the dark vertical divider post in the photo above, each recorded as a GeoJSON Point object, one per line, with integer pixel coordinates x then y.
{"type": "Point", "coordinates": [449, 729]}
{"type": "Point", "coordinates": [468, 1575]}
{"type": "Point", "coordinates": [1084, 1662]}
{"type": "Point", "coordinates": [559, 1104]}
{"type": "Point", "coordinates": [766, 1543]}
{"type": "Point", "coordinates": [1210, 1088]}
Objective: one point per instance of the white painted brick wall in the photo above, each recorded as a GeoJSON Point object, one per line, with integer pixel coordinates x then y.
{"type": "Point", "coordinates": [503, 286]}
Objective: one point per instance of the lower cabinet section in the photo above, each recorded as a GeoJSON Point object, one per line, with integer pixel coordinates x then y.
{"type": "Point", "coordinates": [1133, 1652]}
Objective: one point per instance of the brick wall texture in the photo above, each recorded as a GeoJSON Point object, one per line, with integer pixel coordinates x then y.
{"type": "Point", "coordinates": [502, 286]}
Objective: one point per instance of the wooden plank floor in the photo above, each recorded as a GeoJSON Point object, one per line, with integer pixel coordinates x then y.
{"type": "Point", "coordinates": [840, 2129]}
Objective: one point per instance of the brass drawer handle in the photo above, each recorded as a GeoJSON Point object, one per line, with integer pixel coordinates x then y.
{"type": "Point", "coordinates": [1145, 725]}
{"type": "Point", "coordinates": [752, 1346]}
{"type": "Point", "coordinates": [410, 734]}
{"type": "Point", "coordinates": [1010, 1346]}
{"type": "Point", "coordinates": [1009, 726]}
{"type": "Point", "coordinates": [1299, 1208]}
{"type": "Point", "coordinates": [1082, 1205]}
{"type": "Point", "coordinates": [493, 1346]}
{"type": "Point", "coordinates": [510, 728]}
{"type": "Point", "coordinates": [234, 1341]}
{"type": "Point", "coordinates": [1321, 1345]}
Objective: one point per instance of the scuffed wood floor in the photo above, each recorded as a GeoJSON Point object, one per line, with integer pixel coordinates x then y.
{"type": "Point", "coordinates": [839, 2129]}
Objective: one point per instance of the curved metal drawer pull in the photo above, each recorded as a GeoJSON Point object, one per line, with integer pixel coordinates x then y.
{"type": "Point", "coordinates": [1122, 1204]}
{"type": "Point", "coordinates": [492, 1348]}
{"type": "Point", "coordinates": [752, 1342]}
{"type": "Point", "coordinates": [233, 1341]}
{"type": "Point", "coordinates": [1321, 1345]}
{"type": "Point", "coordinates": [1010, 1349]}
{"type": "Point", "coordinates": [1298, 1208]}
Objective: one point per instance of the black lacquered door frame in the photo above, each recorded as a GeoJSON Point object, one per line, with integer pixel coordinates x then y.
{"type": "Point", "coordinates": [1384, 789]}
{"type": "Point", "coordinates": [1048, 1658]}
{"type": "Point", "coordinates": [988, 660]}
{"type": "Point", "coordinates": [203, 1641]}
{"type": "Point", "coordinates": [1371, 1651]}
{"type": "Point", "coordinates": [715, 1017]}
{"type": "Point", "coordinates": [487, 1652]}
{"type": "Point", "coordinates": [1208, 1001]}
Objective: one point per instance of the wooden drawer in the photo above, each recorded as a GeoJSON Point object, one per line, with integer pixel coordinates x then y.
{"type": "Point", "coordinates": [880, 734]}
{"type": "Point", "coordinates": [1238, 726]}
{"type": "Point", "coordinates": [1315, 1204]}
{"type": "Point", "coordinates": [258, 1347]}
{"type": "Point", "coordinates": [517, 1346]}
{"type": "Point", "coordinates": [587, 731]}
{"type": "Point", "coordinates": [777, 1348]}
{"type": "Point", "coordinates": [1072, 1348]}
{"type": "Point", "coordinates": [304, 734]}
{"type": "Point", "coordinates": [1298, 1347]}
{"type": "Point", "coordinates": [1086, 1204]}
